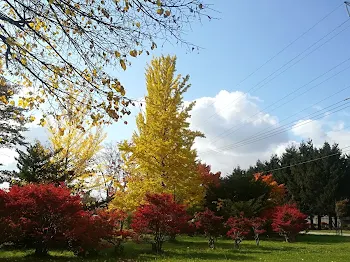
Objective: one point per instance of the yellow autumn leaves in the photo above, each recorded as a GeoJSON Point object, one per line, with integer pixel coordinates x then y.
{"type": "Point", "coordinates": [160, 157]}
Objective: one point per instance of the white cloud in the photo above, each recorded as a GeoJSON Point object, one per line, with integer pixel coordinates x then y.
{"type": "Point", "coordinates": [7, 157]}
{"type": "Point", "coordinates": [323, 130]}
{"type": "Point", "coordinates": [227, 120]}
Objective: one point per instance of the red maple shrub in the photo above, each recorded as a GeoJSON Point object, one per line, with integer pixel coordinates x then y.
{"type": "Point", "coordinates": [39, 214]}
{"type": "Point", "coordinates": [257, 224]}
{"type": "Point", "coordinates": [209, 179]}
{"type": "Point", "coordinates": [208, 223]}
{"type": "Point", "coordinates": [288, 221]}
{"type": "Point", "coordinates": [160, 216]}
{"type": "Point", "coordinates": [47, 216]}
{"type": "Point", "coordinates": [239, 228]}
{"type": "Point", "coordinates": [96, 230]}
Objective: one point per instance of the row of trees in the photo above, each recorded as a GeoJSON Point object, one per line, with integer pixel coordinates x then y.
{"type": "Point", "coordinates": [47, 216]}
{"type": "Point", "coordinates": [316, 186]}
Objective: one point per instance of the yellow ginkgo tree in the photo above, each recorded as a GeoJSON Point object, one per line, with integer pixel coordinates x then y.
{"type": "Point", "coordinates": [76, 139]}
{"type": "Point", "coordinates": [160, 157]}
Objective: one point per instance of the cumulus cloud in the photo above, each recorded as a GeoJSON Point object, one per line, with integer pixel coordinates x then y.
{"type": "Point", "coordinates": [230, 118]}
{"type": "Point", "coordinates": [227, 120]}
{"type": "Point", "coordinates": [323, 130]}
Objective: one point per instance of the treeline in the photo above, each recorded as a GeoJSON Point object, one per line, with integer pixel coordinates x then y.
{"type": "Point", "coordinates": [315, 178]}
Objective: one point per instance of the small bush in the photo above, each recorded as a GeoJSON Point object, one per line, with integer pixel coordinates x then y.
{"type": "Point", "coordinates": [288, 221]}
{"type": "Point", "coordinates": [160, 216]}
{"type": "Point", "coordinates": [208, 223]}
{"type": "Point", "coordinates": [239, 228]}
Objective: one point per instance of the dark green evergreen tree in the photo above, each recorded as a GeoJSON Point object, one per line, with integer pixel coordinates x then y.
{"type": "Point", "coordinates": [314, 185]}
{"type": "Point", "coordinates": [36, 165]}
{"type": "Point", "coordinates": [239, 192]}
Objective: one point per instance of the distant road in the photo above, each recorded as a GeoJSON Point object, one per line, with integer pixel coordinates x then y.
{"type": "Point", "coordinates": [320, 233]}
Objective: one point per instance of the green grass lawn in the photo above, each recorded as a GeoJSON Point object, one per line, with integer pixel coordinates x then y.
{"type": "Point", "coordinates": [308, 248]}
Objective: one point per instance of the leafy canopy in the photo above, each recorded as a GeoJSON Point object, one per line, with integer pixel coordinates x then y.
{"type": "Point", "coordinates": [288, 221]}
{"type": "Point", "coordinates": [12, 117]}
{"type": "Point", "coordinates": [76, 139]}
{"type": "Point", "coordinates": [56, 44]}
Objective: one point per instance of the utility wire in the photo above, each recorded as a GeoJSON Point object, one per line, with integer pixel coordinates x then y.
{"type": "Point", "coordinates": [238, 127]}
{"type": "Point", "coordinates": [288, 126]}
{"type": "Point", "coordinates": [327, 97]}
{"type": "Point", "coordinates": [286, 47]}
{"type": "Point", "coordinates": [256, 87]}
{"type": "Point", "coordinates": [309, 161]}
{"type": "Point", "coordinates": [233, 146]}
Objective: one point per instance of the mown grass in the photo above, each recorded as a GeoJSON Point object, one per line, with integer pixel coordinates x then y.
{"type": "Point", "coordinates": [308, 248]}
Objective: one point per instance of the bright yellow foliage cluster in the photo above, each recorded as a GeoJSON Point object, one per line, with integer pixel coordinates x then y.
{"type": "Point", "coordinates": [160, 157]}
{"type": "Point", "coordinates": [76, 139]}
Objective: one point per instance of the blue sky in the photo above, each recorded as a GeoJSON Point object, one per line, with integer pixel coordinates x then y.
{"type": "Point", "coordinates": [245, 36]}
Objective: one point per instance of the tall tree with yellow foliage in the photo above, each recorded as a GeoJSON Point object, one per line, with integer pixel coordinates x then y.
{"type": "Point", "coordinates": [160, 157]}
{"type": "Point", "coordinates": [77, 139]}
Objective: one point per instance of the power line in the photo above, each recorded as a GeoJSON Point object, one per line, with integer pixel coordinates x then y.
{"type": "Point", "coordinates": [234, 146]}
{"type": "Point", "coordinates": [305, 162]}
{"type": "Point", "coordinates": [284, 128]}
{"type": "Point", "coordinates": [277, 132]}
{"type": "Point", "coordinates": [256, 87]}
{"type": "Point", "coordinates": [327, 97]}
{"type": "Point", "coordinates": [238, 127]}
{"type": "Point", "coordinates": [286, 47]}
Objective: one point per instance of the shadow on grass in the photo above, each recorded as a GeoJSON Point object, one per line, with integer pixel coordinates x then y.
{"type": "Point", "coordinates": [322, 239]}
{"type": "Point", "coordinates": [53, 258]}
{"type": "Point", "coordinates": [197, 255]}
{"type": "Point", "coordinates": [183, 250]}
{"type": "Point", "coordinates": [253, 249]}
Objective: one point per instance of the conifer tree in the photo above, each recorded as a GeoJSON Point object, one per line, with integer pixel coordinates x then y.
{"type": "Point", "coordinates": [160, 157]}
{"type": "Point", "coordinates": [36, 165]}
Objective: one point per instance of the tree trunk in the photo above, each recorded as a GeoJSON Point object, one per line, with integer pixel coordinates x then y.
{"type": "Point", "coordinates": [319, 226]}
{"type": "Point", "coordinates": [257, 240]}
{"type": "Point", "coordinates": [336, 222]}
{"type": "Point", "coordinates": [341, 226]}
{"type": "Point", "coordinates": [211, 242]}
{"type": "Point", "coordinates": [330, 221]}
{"type": "Point", "coordinates": [237, 242]}
{"type": "Point", "coordinates": [157, 245]}
{"type": "Point", "coordinates": [41, 249]}
{"type": "Point", "coordinates": [312, 226]}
